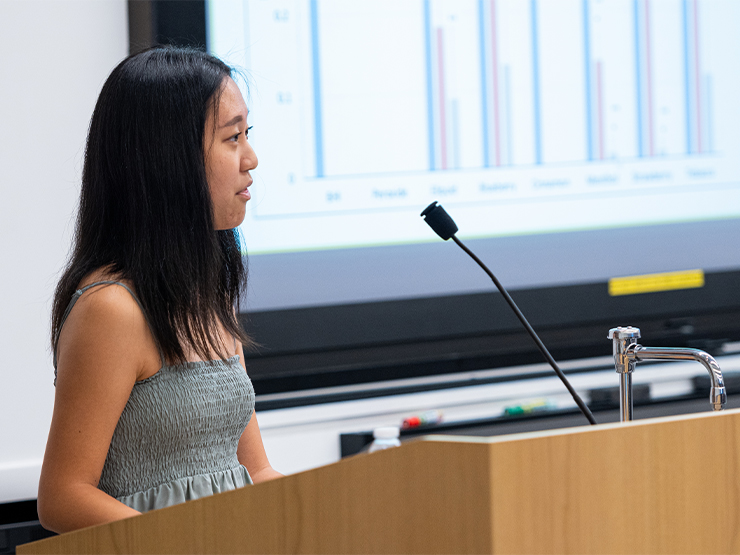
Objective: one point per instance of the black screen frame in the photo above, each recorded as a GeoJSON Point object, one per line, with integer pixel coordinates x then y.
{"type": "Point", "coordinates": [326, 346]}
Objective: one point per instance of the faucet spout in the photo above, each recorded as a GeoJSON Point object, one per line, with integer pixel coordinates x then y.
{"type": "Point", "coordinates": [717, 393]}
{"type": "Point", "coordinates": [628, 352]}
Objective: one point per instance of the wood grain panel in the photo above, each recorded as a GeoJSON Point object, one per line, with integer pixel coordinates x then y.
{"type": "Point", "coordinates": [421, 498]}
{"type": "Point", "coordinates": [660, 486]}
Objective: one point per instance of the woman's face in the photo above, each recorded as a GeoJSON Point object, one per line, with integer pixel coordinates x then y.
{"type": "Point", "coordinates": [228, 158]}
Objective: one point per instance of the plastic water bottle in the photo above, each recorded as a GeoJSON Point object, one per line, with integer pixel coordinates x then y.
{"type": "Point", "coordinates": [384, 438]}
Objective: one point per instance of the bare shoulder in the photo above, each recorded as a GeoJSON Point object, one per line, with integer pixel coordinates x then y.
{"type": "Point", "coordinates": [107, 331]}
{"type": "Point", "coordinates": [106, 308]}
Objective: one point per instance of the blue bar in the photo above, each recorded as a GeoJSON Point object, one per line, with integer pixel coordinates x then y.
{"type": "Point", "coordinates": [587, 49]}
{"type": "Point", "coordinates": [638, 66]}
{"type": "Point", "coordinates": [536, 86]}
{"type": "Point", "coordinates": [317, 89]}
{"type": "Point", "coordinates": [483, 80]}
{"type": "Point", "coordinates": [430, 95]}
{"type": "Point", "coordinates": [687, 79]}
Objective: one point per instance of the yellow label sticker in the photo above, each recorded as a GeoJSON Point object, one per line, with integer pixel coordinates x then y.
{"type": "Point", "coordinates": [651, 283]}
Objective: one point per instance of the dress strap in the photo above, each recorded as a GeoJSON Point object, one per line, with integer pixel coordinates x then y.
{"type": "Point", "coordinates": [75, 297]}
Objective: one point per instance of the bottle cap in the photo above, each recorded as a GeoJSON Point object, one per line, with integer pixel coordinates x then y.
{"type": "Point", "coordinates": [386, 432]}
{"type": "Point", "coordinates": [411, 422]}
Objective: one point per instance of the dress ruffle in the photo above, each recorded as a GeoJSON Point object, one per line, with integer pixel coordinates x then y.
{"type": "Point", "coordinates": [186, 489]}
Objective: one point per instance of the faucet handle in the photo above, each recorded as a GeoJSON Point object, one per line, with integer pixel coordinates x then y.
{"type": "Point", "coordinates": [624, 332]}
{"type": "Point", "coordinates": [623, 339]}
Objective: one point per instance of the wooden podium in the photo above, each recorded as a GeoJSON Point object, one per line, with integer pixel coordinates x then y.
{"type": "Point", "coordinates": [667, 485]}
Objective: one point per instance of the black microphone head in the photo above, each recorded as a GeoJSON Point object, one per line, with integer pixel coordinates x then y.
{"type": "Point", "coordinates": [439, 220]}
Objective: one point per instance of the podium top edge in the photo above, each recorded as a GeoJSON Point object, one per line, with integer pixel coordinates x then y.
{"type": "Point", "coordinates": [576, 429]}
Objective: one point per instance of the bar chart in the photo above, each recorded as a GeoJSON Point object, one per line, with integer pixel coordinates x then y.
{"type": "Point", "coordinates": [634, 84]}
{"type": "Point", "coordinates": [481, 101]}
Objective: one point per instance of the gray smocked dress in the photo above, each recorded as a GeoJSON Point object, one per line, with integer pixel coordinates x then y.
{"type": "Point", "coordinates": [177, 436]}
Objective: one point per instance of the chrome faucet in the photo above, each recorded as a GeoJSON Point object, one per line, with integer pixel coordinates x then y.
{"type": "Point", "coordinates": [627, 353]}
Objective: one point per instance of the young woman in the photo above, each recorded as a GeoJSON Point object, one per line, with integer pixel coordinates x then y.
{"type": "Point", "coordinates": [153, 404]}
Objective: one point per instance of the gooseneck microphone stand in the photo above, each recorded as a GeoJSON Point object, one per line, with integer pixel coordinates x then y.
{"type": "Point", "coordinates": [445, 227]}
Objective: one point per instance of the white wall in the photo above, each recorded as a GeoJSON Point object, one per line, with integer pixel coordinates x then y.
{"type": "Point", "coordinates": [54, 58]}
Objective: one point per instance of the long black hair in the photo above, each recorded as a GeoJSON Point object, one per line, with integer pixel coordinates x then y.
{"type": "Point", "coordinates": [145, 209]}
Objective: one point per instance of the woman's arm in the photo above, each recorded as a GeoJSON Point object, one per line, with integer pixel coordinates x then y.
{"type": "Point", "coordinates": [252, 454]}
{"type": "Point", "coordinates": [104, 347]}
{"type": "Point", "coordinates": [251, 451]}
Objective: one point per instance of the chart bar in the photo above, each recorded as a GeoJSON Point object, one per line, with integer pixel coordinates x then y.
{"type": "Point", "coordinates": [455, 117]}
{"type": "Point", "coordinates": [536, 85]}
{"type": "Point", "coordinates": [687, 77]}
{"type": "Point", "coordinates": [495, 83]}
{"type": "Point", "coordinates": [441, 100]}
{"type": "Point", "coordinates": [315, 59]}
{"type": "Point", "coordinates": [600, 109]}
{"type": "Point", "coordinates": [587, 68]}
{"type": "Point", "coordinates": [708, 113]}
{"type": "Point", "coordinates": [483, 84]}
{"type": "Point", "coordinates": [507, 102]}
{"type": "Point", "coordinates": [648, 79]}
{"type": "Point", "coordinates": [638, 78]}
{"type": "Point", "coordinates": [430, 93]}
{"type": "Point", "coordinates": [644, 74]}
{"type": "Point", "coordinates": [697, 77]}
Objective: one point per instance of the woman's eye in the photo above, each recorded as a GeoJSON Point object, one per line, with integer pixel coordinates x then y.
{"type": "Point", "coordinates": [247, 132]}
{"type": "Point", "coordinates": [235, 138]}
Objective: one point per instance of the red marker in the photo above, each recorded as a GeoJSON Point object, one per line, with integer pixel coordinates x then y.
{"type": "Point", "coordinates": [424, 419]}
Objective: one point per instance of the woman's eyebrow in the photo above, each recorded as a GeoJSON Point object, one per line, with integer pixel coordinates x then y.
{"type": "Point", "coordinates": [232, 121]}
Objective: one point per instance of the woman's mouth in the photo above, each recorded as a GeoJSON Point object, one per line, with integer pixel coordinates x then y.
{"type": "Point", "coordinates": [244, 193]}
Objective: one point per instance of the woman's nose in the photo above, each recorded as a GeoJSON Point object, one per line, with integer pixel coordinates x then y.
{"type": "Point", "coordinates": [249, 160]}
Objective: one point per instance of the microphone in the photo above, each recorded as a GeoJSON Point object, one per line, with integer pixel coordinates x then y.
{"type": "Point", "coordinates": [439, 221]}
{"type": "Point", "coordinates": [444, 226]}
